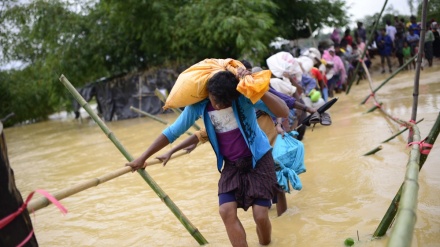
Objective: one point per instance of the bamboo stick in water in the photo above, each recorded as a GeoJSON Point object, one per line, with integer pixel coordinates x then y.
{"type": "Point", "coordinates": [375, 150]}
{"type": "Point", "coordinates": [153, 117]}
{"type": "Point", "coordinates": [162, 195]}
{"type": "Point", "coordinates": [148, 115]}
{"type": "Point", "coordinates": [400, 132]}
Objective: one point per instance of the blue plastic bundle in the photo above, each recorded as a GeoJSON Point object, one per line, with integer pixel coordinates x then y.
{"type": "Point", "coordinates": [288, 154]}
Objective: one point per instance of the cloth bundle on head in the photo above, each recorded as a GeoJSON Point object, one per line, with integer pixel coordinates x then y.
{"type": "Point", "coordinates": [283, 62]}
{"type": "Point", "coordinates": [313, 53]}
{"type": "Point", "coordinates": [282, 86]}
{"type": "Point", "coordinates": [306, 63]}
{"type": "Point", "coordinates": [191, 85]}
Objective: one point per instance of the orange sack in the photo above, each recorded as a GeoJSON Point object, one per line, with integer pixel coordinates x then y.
{"type": "Point", "coordinates": [191, 85]}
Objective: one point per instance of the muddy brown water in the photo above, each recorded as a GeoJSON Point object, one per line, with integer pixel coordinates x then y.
{"type": "Point", "coordinates": [344, 193]}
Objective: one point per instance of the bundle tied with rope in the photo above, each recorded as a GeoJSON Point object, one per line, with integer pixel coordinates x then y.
{"type": "Point", "coordinates": [191, 85]}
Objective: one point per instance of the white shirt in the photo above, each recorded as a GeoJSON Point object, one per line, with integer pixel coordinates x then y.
{"type": "Point", "coordinates": [391, 31]}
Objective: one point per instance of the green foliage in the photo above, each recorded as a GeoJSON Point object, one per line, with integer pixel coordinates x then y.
{"type": "Point", "coordinates": [29, 99]}
{"type": "Point", "coordinates": [109, 37]}
{"type": "Point", "coordinates": [224, 28]}
{"type": "Point", "coordinates": [433, 11]}
{"type": "Point", "coordinates": [291, 19]}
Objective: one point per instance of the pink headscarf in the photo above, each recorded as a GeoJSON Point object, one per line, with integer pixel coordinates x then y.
{"type": "Point", "coordinates": [335, 36]}
{"type": "Point", "coordinates": [338, 65]}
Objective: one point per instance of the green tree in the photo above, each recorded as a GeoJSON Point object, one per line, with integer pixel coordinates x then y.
{"type": "Point", "coordinates": [433, 11]}
{"type": "Point", "coordinates": [292, 17]}
{"type": "Point", "coordinates": [224, 28]}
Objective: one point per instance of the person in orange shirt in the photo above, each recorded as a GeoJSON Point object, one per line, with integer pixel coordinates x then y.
{"type": "Point", "coordinates": [321, 82]}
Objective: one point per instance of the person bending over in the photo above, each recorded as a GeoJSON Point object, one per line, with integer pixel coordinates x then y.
{"type": "Point", "coordinates": [243, 152]}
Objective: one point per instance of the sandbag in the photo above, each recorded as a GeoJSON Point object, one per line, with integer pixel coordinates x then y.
{"type": "Point", "coordinates": [288, 154]}
{"type": "Point", "coordinates": [191, 85]}
{"type": "Point", "coordinates": [282, 62]}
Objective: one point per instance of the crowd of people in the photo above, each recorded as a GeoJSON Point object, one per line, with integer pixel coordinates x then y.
{"type": "Point", "coordinates": [398, 39]}
{"type": "Point", "coordinates": [242, 133]}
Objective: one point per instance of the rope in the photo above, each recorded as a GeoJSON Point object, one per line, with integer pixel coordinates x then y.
{"type": "Point", "coordinates": [8, 219]}
{"type": "Point", "coordinates": [425, 148]}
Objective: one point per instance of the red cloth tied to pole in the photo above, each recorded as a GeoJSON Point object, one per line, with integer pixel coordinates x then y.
{"type": "Point", "coordinates": [8, 219]}
{"type": "Point", "coordinates": [425, 148]}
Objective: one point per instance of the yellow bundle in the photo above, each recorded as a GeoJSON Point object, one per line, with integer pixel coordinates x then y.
{"type": "Point", "coordinates": [191, 85]}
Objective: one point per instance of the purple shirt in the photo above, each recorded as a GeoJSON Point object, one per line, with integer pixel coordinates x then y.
{"type": "Point", "coordinates": [290, 101]}
{"type": "Point", "coordinates": [231, 142]}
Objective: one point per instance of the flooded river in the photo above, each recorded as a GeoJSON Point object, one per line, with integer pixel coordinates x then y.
{"type": "Point", "coordinates": [344, 193]}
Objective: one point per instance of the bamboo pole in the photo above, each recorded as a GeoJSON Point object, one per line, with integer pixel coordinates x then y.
{"type": "Point", "coordinates": [160, 193]}
{"type": "Point", "coordinates": [433, 134]}
{"type": "Point", "coordinates": [154, 117]}
{"type": "Point", "coordinates": [358, 80]}
{"type": "Point", "coordinates": [163, 98]}
{"type": "Point", "coordinates": [379, 105]}
{"type": "Point", "coordinates": [175, 110]}
{"type": "Point", "coordinates": [418, 66]}
{"type": "Point", "coordinates": [401, 235]}
{"type": "Point", "coordinates": [311, 32]}
{"type": "Point", "coordinates": [370, 37]}
{"type": "Point", "coordinates": [374, 107]}
{"type": "Point", "coordinates": [400, 132]}
{"type": "Point", "coordinates": [375, 150]}
{"type": "Point", "coordinates": [392, 209]}
{"type": "Point", "coordinates": [148, 115]}
{"type": "Point", "coordinates": [388, 79]}
{"type": "Point", "coordinates": [42, 202]}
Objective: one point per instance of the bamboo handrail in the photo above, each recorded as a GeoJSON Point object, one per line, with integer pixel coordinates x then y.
{"type": "Point", "coordinates": [39, 203]}
{"type": "Point", "coordinates": [162, 195]}
{"type": "Point", "coordinates": [375, 107]}
{"type": "Point", "coordinates": [370, 37]}
{"type": "Point", "coordinates": [388, 79]}
{"type": "Point", "coordinates": [400, 132]}
{"type": "Point", "coordinates": [418, 66]}
{"type": "Point", "coordinates": [379, 104]}
{"type": "Point", "coordinates": [411, 186]}
{"type": "Point", "coordinates": [392, 209]}
{"type": "Point", "coordinates": [403, 230]}
{"type": "Point", "coordinates": [402, 233]}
